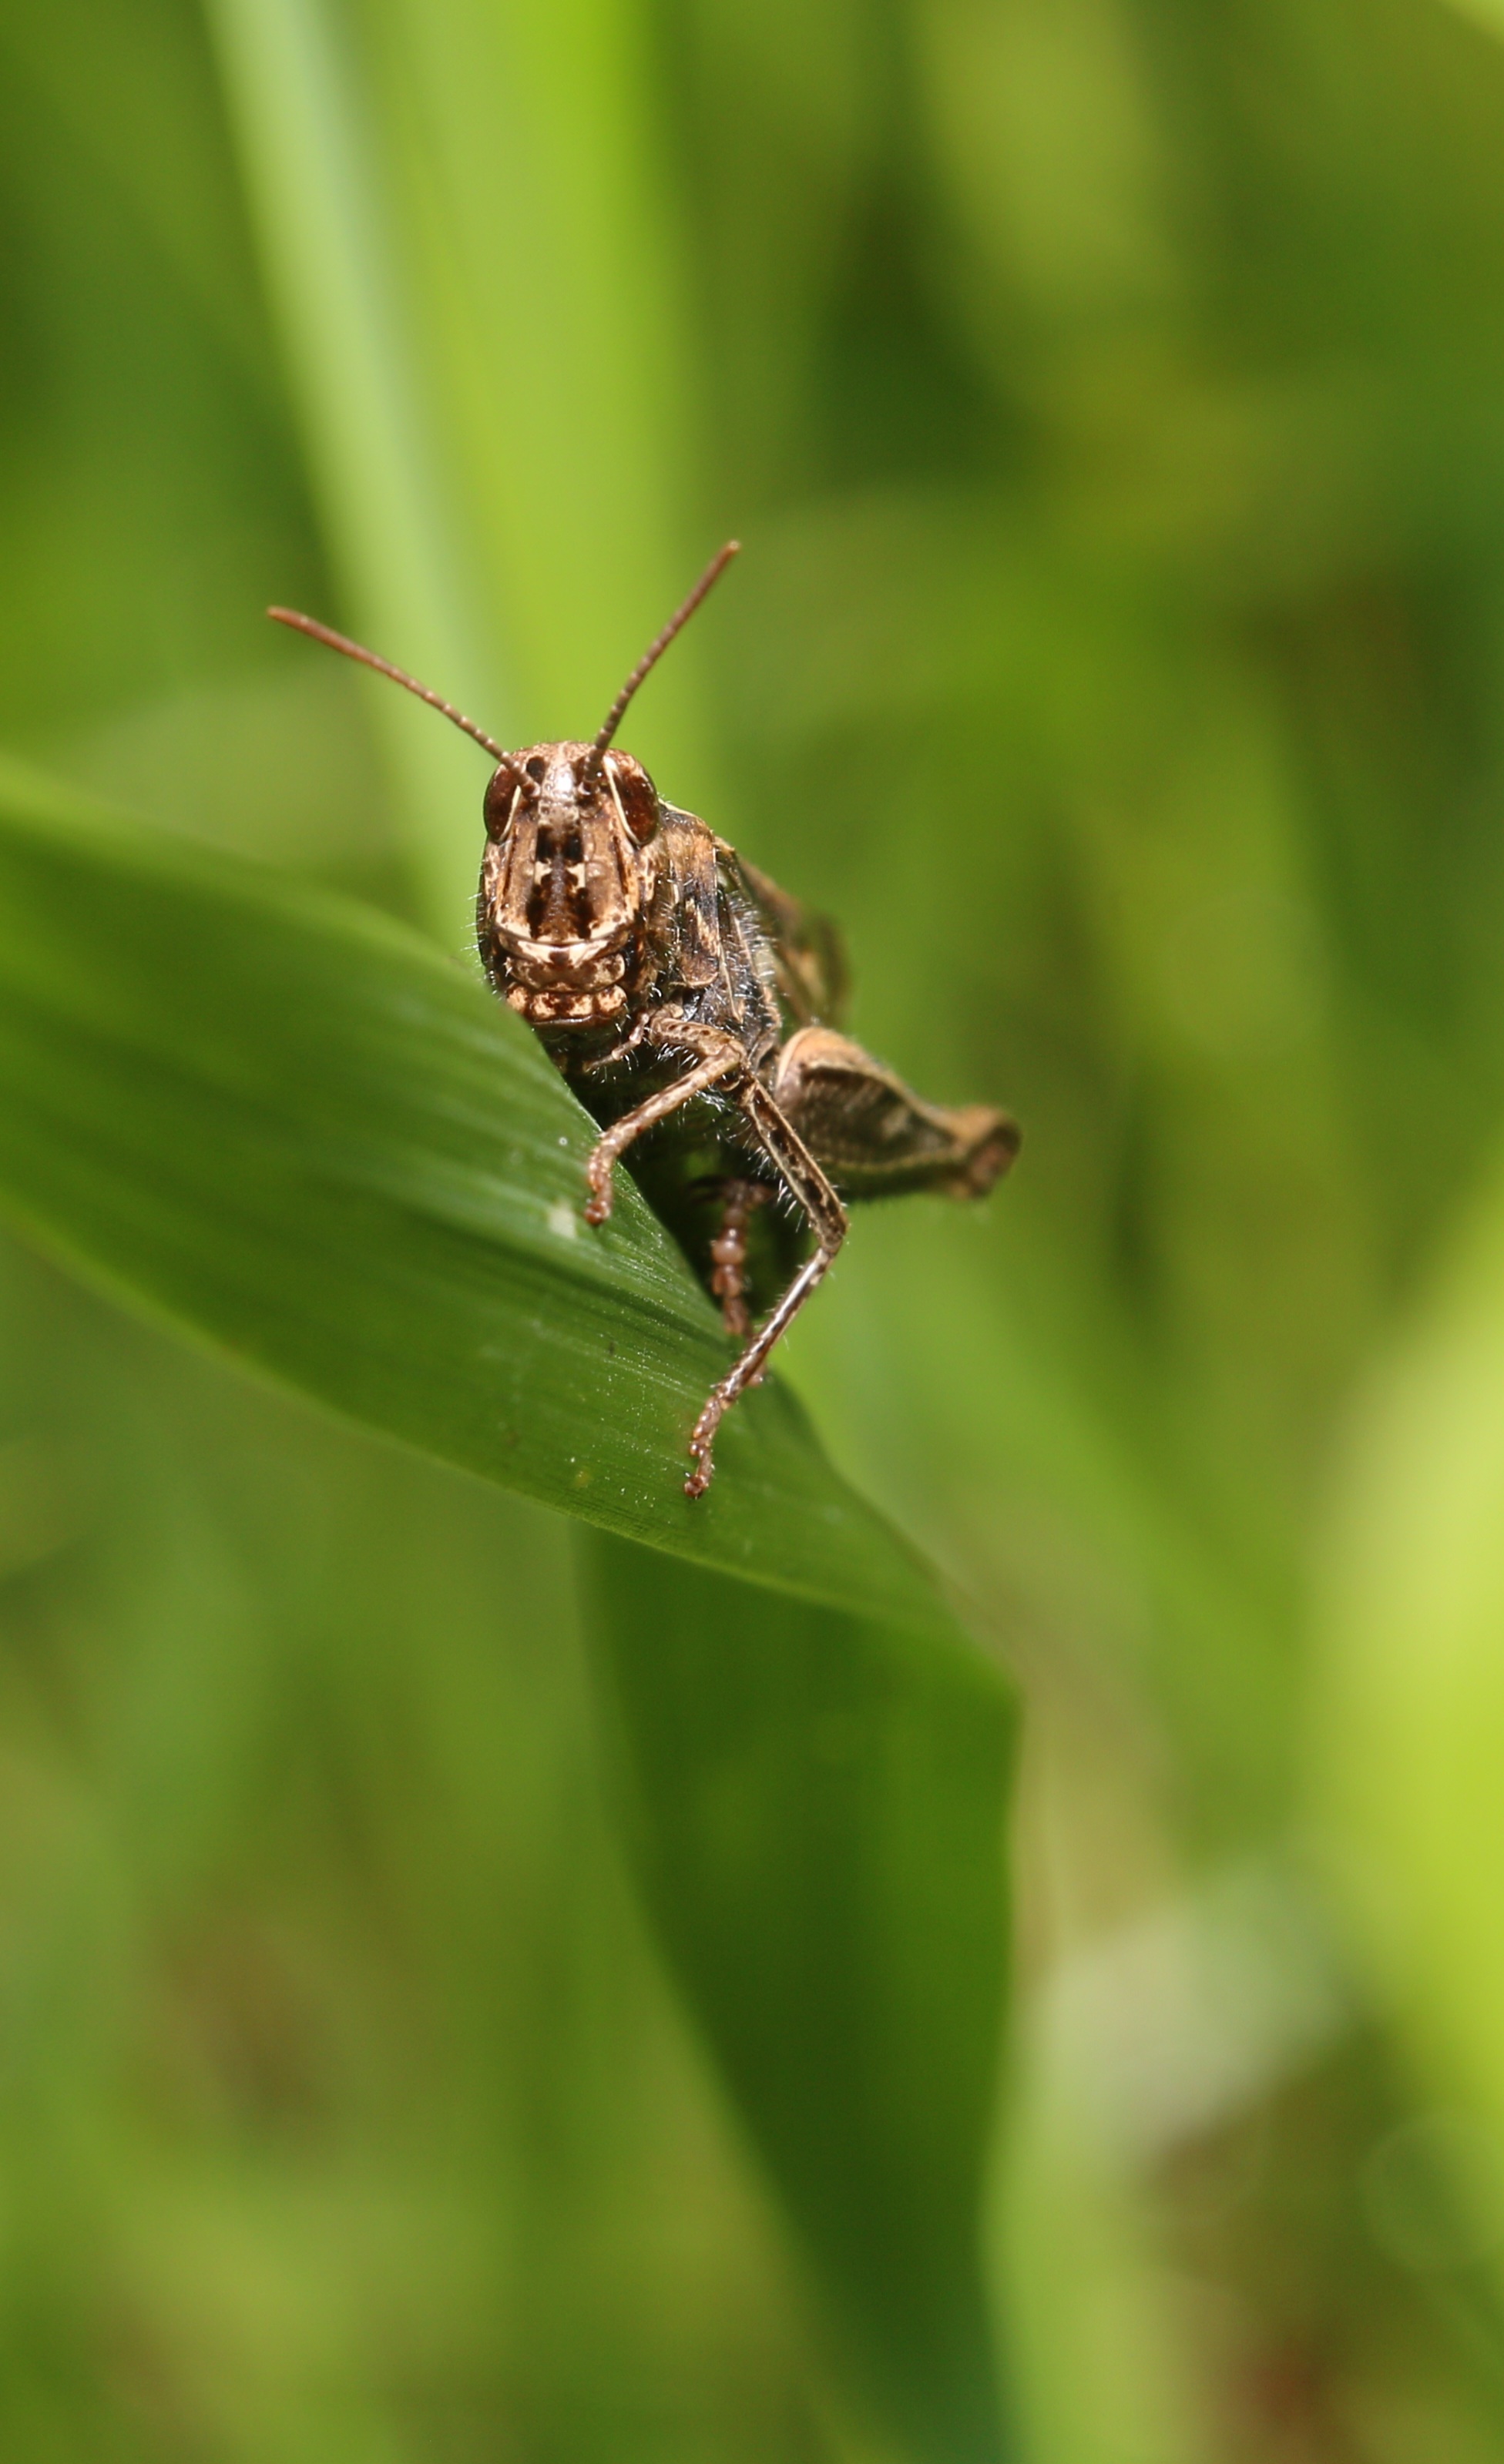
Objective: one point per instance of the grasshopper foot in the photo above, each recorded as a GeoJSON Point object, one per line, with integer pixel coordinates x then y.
{"type": "Point", "coordinates": [598, 1172]}
{"type": "Point", "coordinates": [702, 1440]}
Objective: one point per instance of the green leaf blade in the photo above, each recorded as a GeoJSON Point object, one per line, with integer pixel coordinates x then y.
{"type": "Point", "coordinates": [295, 1129]}
{"type": "Point", "coordinates": [298, 1129]}
{"type": "Point", "coordinates": [812, 1802]}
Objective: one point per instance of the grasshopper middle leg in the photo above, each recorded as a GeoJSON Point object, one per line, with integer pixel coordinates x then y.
{"type": "Point", "coordinates": [739, 1200]}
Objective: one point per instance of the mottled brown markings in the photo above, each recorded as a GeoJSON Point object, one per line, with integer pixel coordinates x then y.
{"type": "Point", "coordinates": [665, 973]}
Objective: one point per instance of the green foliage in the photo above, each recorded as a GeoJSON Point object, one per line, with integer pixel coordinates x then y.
{"type": "Point", "coordinates": [1411, 1724]}
{"type": "Point", "coordinates": [812, 1807]}
{"type": "Point", "coordinates": [294, 1128]}
{"type": "Point", "coordinates": [291, 1125]}
{"type": "Point", "coordinates": [1107, 391]}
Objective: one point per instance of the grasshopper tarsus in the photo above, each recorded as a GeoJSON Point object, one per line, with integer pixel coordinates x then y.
{"type": "Point", "coordinates": [600, 1173]}
{"type": "Point", "coordinates": [694, 1004]}
{"type": "Point", "coordinates": [702, 1440]}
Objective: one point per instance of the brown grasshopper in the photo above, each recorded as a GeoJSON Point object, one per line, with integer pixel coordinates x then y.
{"type": "Point", "coordinates": [693, 1006]}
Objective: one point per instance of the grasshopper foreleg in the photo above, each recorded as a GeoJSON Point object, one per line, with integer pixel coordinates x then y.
{"type": "Point", "coordinates": [723, 1057]}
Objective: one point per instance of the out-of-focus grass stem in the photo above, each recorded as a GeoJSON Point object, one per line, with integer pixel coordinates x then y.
{"type": "Point", "coordinates": [292, 87]}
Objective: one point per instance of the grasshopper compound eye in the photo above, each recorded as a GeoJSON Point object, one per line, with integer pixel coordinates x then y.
{"type": "Point", "coordinates": [636, 796]}
{"type": "Point", "coordinates": [501, 795]}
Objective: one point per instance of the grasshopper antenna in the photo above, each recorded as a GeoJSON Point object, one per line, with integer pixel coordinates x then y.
{"type": "Point", "coordinates": [325, 633]}
{"type": "Point", "coordinates": [657, 648]}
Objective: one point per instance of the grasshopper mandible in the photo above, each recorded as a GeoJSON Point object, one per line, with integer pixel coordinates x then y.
{"type": "Point", "coordinates": [693, 1007]}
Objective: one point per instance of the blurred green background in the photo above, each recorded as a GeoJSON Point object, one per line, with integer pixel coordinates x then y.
{"type": "Point", "coordinates": [1110, 395]}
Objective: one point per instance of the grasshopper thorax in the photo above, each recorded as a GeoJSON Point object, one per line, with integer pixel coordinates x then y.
{"type": "Point", "coordinates": [565, 883]}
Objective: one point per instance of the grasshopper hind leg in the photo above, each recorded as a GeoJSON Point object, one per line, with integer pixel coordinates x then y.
{"type": "Point", "coordinates": [802, 1176]}
{"type": "Point", "coordinates": [865, 1126]}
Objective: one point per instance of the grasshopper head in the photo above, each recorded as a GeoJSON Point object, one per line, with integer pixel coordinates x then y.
{"type": "Point", "coordinates": [565, 881]}
{"type": "Point", "coordinates": [569, 868]}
